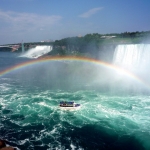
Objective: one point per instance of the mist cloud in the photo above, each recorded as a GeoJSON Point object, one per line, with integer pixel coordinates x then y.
{"type": "Point", "coordinates": [90, 12]}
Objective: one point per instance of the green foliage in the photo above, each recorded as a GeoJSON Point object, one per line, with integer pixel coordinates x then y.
{"type": "Point", "coordinates": [98, 39]}
{"type": "Point", "coordinates": [94, 44]}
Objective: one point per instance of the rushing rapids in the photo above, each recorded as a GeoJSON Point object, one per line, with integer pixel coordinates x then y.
{"type": "Point", "coordinates": [112, 116]}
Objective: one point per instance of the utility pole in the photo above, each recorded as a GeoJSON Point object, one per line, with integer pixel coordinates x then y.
{"type": "Point", "coordinates": [22, 47]}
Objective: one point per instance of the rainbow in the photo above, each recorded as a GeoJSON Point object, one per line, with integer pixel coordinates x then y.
{"type": "Point", "coordinates": [73, 58]}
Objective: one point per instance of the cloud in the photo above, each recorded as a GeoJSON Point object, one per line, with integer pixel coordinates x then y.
{"type": "Point", "coordinates": [15, 21]}
{"type": "Point", "coordinates": [90, 12]}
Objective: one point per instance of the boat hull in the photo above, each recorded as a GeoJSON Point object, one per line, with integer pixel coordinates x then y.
{"type": "Point", "coordinates": [73, 107]}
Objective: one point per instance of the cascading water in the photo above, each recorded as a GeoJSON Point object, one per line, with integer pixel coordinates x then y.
{"type": "Point", "coordinates": [37, 51]}
{"type": "Point", "coordinates": [133, 56]}
{"type": "Point", "coordinates": [30, 118]}
{"type": "Point", "coordinates": [136, 59]}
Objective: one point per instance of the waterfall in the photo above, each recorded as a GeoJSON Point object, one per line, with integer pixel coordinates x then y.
{"type": "Point", "coordinates": [133, 56]}
{"type": "Point", "coordinates": [37, 51]}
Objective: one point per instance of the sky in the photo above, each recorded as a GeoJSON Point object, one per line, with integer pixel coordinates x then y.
{"type": "Point", "coordinates": [44, 20]}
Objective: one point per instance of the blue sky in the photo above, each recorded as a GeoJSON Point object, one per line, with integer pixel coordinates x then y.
{"type": "Point", "coordinates": [38, 20]}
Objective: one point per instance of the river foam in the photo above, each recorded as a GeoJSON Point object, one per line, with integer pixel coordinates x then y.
{"type": "Point", "coordinates": [32, 120]}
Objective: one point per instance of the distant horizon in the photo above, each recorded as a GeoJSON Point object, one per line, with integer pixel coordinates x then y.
{"type": "Point", "coordinates": [36, 20]}
{"type": "Point", "coordinates": [70, 37]}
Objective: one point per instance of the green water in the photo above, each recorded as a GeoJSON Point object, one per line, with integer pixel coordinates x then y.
{"type": "Point", "coordinates": [114, 112]}
{"type": "Point", "coordinates": [31, 119]}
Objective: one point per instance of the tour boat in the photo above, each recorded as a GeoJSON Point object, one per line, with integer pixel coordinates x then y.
{"type": "Point", "coordinates": [67, 105]}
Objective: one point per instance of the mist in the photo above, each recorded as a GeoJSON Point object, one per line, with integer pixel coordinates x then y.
{"type": "Point", "coordinates": [37, 51]}
{"type": "Point", "coordinates": [73, 75]}
{"type": "Point", "coordinates": [126, 73]}
{"type": "Point", "coordinates": [114, 100]}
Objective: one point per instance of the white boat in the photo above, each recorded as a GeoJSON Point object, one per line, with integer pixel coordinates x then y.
{"type": "Point", "coordinates": [69, 105]}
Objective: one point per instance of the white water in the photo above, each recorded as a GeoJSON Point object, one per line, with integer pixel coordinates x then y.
{"type": "Point", "coordinates": [31, 119]}
{"type": "Point", "coordinates": [133, 56]}
{"type": "Point", "coordinates": [37, 51]}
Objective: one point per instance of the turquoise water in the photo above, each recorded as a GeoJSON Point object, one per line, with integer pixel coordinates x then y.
{"type": "Point", "coordinates": [31, 119]}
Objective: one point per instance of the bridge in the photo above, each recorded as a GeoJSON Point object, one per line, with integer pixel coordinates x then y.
{"type": "Point", "coordinates": [13, 47]}
{"type": "Point", "coordinates": [22, 47]}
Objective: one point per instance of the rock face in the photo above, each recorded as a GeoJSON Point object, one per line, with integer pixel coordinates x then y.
{"type": "Point", "coordinates": [3, 146]}
{"type": "Point", "coordinates": [8, 148]}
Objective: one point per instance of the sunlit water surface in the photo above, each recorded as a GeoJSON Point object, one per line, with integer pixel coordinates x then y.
{"type": "Point", "coordinates": [30, 118]}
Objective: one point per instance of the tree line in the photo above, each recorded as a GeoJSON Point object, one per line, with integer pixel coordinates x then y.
{"type": "Point", "coordinates": [92, 43]}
